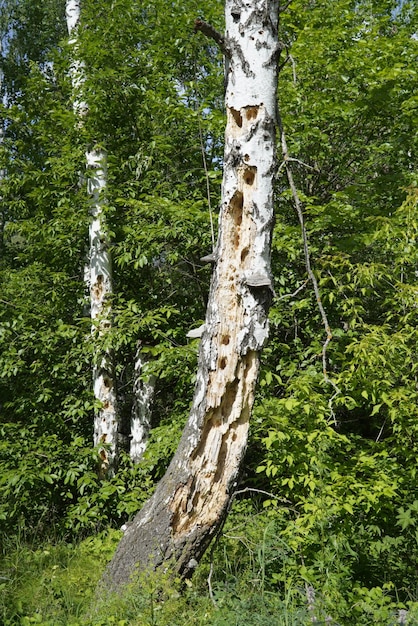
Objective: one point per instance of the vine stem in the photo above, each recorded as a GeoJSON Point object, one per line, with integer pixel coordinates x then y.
{"type": "Point", "coordinates": [287, 160]}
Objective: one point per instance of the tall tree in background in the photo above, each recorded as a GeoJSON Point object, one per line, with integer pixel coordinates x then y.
{"type": "Point", "coordinates": [191, 500]}
{"type": "Point", "coordinates": [99, 272]}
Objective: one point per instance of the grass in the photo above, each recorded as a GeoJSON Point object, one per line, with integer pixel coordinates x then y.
{"type": "Point", "coordinates": [54, 584]}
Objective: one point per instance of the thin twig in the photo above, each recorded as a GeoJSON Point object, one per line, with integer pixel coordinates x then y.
{"type": "Point", "coordinates": [381, 431]}
{"type": "Point", "coordinates": [295, 293]}
{"type": "Point", "coordinates": [286, 6]}
{"type": "Point", "coordinates": [209, 581]}
{"type": "Point", "coordinates": [205, 167]}
{"type": "Point", "coordinates": [293, 160]}
{"type": "Point", "coordinates": [264, 493]}
{"type": "Point", "coordinates": [298, 206]}
{"type": "Point", "coordinates": [292, 60]}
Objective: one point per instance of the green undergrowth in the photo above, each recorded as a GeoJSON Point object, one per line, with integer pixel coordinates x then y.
{"type": "Point", "coordinates": [251, 577]}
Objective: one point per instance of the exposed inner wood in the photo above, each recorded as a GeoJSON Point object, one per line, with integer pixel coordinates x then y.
{"type": "Point", "coordinates": [224, 432]}
{"type": "Point", "coordinates": [230, 387]}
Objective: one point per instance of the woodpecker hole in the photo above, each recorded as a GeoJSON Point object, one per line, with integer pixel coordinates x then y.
{"type": "Point", "coordinates": [222, 363]}
{"type": "Point", "coordinates": [237, 203]}
{"type": "Point", "coordinates": [225, 340]}
{"type": "Point", "coordinates": [249, 175]}
{"type": "Point", "coordinates": [251, 113]}
{"type": "Point", "coordinates": [98, 287]}
{"type": "Point", "coordinates": [237, 117]}
{"type": "Point", "coordinates": [107, 382]}
{"type": "Point", "coordinates": [244, 254]}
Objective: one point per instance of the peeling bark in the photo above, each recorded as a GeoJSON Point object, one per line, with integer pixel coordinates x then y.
{"type": "Point", "coordinates": [98, 276]}
{"type": "Point", "coordinates": [176, 525]}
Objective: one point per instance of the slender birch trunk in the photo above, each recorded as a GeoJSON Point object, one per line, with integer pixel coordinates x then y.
{"type": "Point", "coordinates": [143, 391]}
{"type": "Point", "coordinates": [2, 172]}
{"type": "Point", "coordinates": [98, 276]}
{"type": "Point", "coordinates": [191, 501]}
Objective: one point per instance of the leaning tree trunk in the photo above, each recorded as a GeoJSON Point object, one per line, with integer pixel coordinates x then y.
{"type": "Point", "coordinates": [191, 500]}
{"type": "Point", "coordinates": [98, 275]}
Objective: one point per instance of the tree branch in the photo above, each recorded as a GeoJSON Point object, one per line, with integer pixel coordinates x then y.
{"type": "Point", "coordinates": [285, 6]}
{"type": "Point", "coordinates": [209, 31]}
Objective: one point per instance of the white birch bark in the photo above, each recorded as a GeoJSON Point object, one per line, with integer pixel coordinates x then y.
{"type": "Point", "coordinates": [2, 172]}
{"type": "Point", "coordinates": [191, 500]}
{"type": "Point", "coordinates": [143, 389]}
{"type": "Point", "coordinates": [98, 276]}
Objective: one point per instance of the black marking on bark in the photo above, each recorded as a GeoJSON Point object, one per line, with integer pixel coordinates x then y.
{"type": "Point", "coordinates": [236, 49]}
{"type": "Point", "coordinates": [274, 57]}
{"type": "Point", "coordinates": [235, 14]}
{"type": "Point", "coordinates": [233, 159]}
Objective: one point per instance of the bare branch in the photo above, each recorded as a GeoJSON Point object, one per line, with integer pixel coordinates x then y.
{"type": "Point", "coordinates": [295, 293]}
{"type": "Point", "coordinates": [205, 167]}
{"type": "Point", "coordinates": [298, 206]}
{"type": "Point", "coordinates": [209, 31]}
{"type": "Point", "coordinates": [293, 68]}
{"type": "Point", "coordinates": [283, 8]}
{"type": "Point", "coordinates": [293, 160]}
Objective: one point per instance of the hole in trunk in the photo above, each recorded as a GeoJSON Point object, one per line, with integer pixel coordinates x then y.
{"type": "Point", "coordinates": [251, 113]}
{"type": "Point", "coordinates": [98, 287]}
{"type": "Point", "coordinates": [249, 175]}
{"type": "Point", "coordinates": [107, 382]}
{"type": "Point", "coordinates": [244, 254]}
{"type": "Point", "coordinates": [237, 117]}
{"type": "Point", "coordinates": [237, 203]}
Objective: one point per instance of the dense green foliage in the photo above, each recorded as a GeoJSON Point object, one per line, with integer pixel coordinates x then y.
{"type": "Point", "coordinates": [331, 500]}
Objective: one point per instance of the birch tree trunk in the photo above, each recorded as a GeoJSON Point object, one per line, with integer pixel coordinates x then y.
{"type": "Point", "coordinates": [143, 391]}
{"type": "Point", "coordinates": [2, 172]}
{"type": "Point", "coordinates": [98, 276]}
{"type": "Point", "coordinates": [190, 502]}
